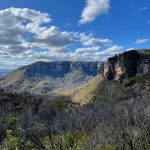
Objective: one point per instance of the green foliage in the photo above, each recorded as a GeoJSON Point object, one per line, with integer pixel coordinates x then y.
{"type": "Point", "coordinates": [106, 147]}
{"type": "Point", "coordinates": [68, 141]}
{"type": "Point", "coordinates": [11, 141]}
{"type": "Point", "coordinates": [109, 147]}
{"type": "Point", "coordinates": [12, 121]}
{"type": "Point", "coordinates": [59, 105]}
{"type": "Point", "coordinates": [76, 141]}
{"type": "Point", "coordinates": [98, 147]}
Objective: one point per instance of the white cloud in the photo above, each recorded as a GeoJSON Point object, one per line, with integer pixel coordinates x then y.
{"type": "Point", "coordinates": [25, 37]}
{"type": "Point", "coordinates": [97, 42]}
{"type": "Point", "coordinates": [27, 31]}
{"type": "Point", "coordinates": [131, 48]}
{"type": "Point", "coordinates": [116, 49]}
{"type": "Point", "coordinates": [95, 53]}
{"type": "Point", "coordinates": [93, 9]}
{"type": "Point", "coordinates": [89, 40]}
{"type": "Point", "coordinates": [53, 37]}
{"type": "Point", "coordinates": [86, 50]}
{"type": "Point", "coordinates": [141, 41]}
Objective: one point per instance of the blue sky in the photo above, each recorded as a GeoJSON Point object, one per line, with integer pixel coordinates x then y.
{"type": "Point", "coordinates": [71, 29]}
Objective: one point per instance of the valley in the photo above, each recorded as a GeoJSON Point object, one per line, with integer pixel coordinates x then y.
{"type": "Point", "coordinates": [75, 75]}
{"type": "Point", "coordinates": [46, 78]}
{"type": "Point", "coordinates": [75, 105]}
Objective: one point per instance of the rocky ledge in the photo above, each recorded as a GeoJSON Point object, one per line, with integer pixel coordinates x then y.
{"type": "Point", "coordinates": [126, 65]}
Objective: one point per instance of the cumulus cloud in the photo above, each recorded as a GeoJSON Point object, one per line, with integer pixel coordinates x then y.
{"type": "Point", "coordinates": [141, 41]}
{"type": "Point", "coordinates": [27, 31]}
{"type": "Point", "coordinates": [93, 9]}
{"type": "Point", "coordinates": [116, 49]}
{"type": "Point", "coordinates": [86, 50]}
{"type": "Point", "coordinates": [26, 37]}
{"type": "Point", "coordinates": [24, 30]}
{"type": "Point", "coordinates": [95, 53]}
{"type": "Point", "coordinates": [89, 40]}
{"type": "Point", "coordinates": [53, 37]}
{"type": "Point", "coordinates": [97, 42]}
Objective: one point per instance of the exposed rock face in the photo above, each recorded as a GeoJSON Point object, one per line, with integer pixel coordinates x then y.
{"type": "Point", "coordinates": [126, 65]}
{"type": "Point", "coordinates": [47, 77]}
{"type": "Point", "coordinates": [60, 68]}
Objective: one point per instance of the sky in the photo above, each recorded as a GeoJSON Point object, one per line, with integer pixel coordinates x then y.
{"type": "Point", "coordinates": [64, 30]}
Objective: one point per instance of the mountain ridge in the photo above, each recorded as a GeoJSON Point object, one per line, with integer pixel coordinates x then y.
{"type": "Point", "coordinates": [54, 77]}
{"type": "Point", "coordinates": [44, 77]}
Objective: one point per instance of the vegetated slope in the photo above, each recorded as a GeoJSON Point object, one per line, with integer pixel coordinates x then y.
{"type": "Point", "coordinates": [120, 77]}
{"type": "Point", "coordinates": [46, 77]}
{"type": "Point", "coordinates": [39, 123]}
{"type": "Point", "coordinates": [86, 92]}
{"type": "Point", "coordinates": [16, 102]}
{"type": "Point", "coordinates": [99, 89]}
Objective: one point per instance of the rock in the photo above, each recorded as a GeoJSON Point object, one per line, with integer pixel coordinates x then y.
{"type": "Point", "coordinates": [59, 68]}
{"type": "Point", "coordinates": [126, 65]}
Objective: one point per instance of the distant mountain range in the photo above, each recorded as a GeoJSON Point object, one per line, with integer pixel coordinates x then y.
{"type": "Point", "coordinates": [4, 72]}
{"type": "Point", "coordinates": [61, 76]}
{"type": "Point", "coordinates": [47, 77]}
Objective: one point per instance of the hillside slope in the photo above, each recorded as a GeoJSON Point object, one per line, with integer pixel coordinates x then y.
{"type": "Point", "coordinates": [86, 92]}
{"type": "Point", "coordinates": [46, 77]}
{"type": "Point", "coordinates": [99, 89]}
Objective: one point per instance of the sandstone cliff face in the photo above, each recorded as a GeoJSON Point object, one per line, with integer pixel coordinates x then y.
{"type": "Point", "coordinates": [126, 65]}
{"type": "Point", "coordinates": [59, 68]}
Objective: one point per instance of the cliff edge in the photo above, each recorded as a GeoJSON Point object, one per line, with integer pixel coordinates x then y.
{"type": "Point", "coordinates": [126, 65]}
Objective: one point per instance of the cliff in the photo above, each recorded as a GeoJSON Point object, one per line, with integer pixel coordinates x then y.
{"type": "Point", "coordinates": [59, 69]}
{"type": "Point", "coordinates": [47, 77]}
{"type": "Point", "coordinates": [126, 65]}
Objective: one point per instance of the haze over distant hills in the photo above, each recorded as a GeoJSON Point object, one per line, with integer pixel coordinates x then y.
{"type": "Point", "coordinates": [4, 72]}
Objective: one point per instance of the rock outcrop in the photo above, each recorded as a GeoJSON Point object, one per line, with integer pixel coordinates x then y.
{"type": "Point", "coordinates": [126, 65]}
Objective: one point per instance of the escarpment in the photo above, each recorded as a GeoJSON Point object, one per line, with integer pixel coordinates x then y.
{"type": "Point", "coordinates": [47, 77]}
{"type": "Point", "coordinates": [126, 65]}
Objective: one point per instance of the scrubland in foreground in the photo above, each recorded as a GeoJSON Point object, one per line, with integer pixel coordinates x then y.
{"type": "Point", "coordinates": [57, 123]}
